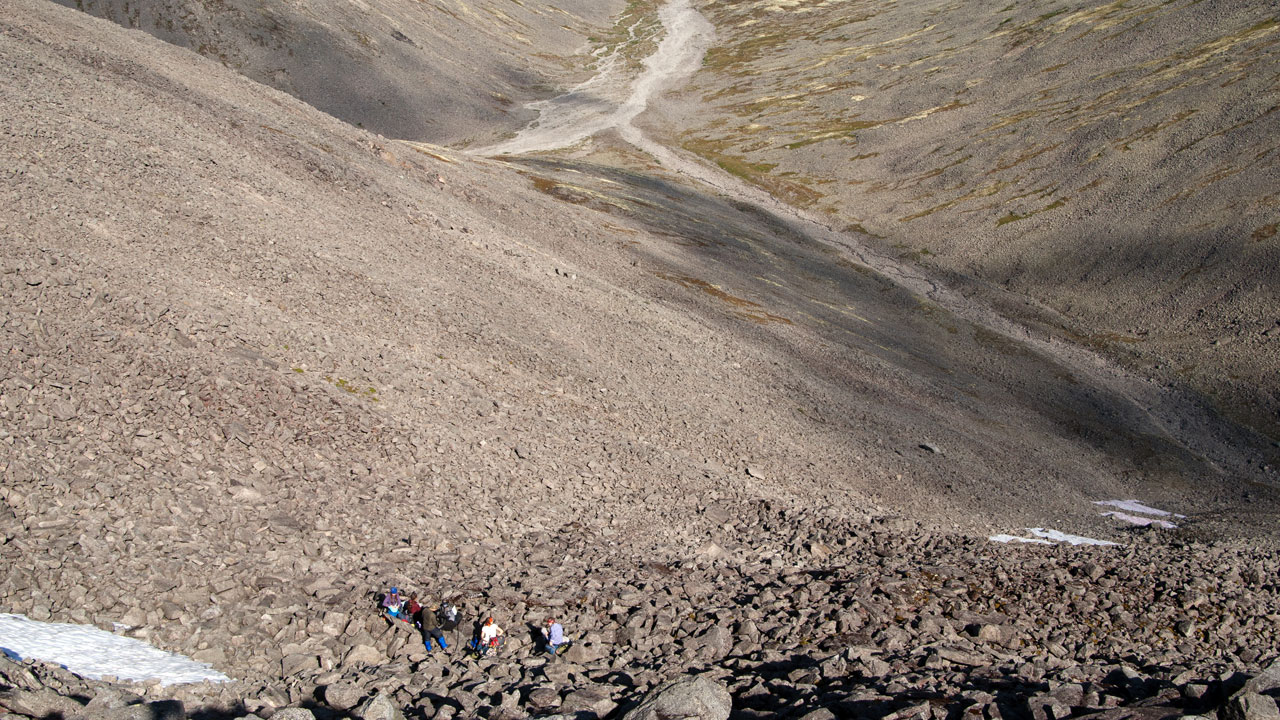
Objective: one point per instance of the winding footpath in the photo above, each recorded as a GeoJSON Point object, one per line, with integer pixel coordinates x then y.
{"type": "Point", "coordinates": [612, 100]}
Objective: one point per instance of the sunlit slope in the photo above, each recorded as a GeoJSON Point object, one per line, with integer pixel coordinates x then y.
{"type": "Point", "coordinates": [447, 72]}
{"type": "Point", "coordinates": [1115, 161]}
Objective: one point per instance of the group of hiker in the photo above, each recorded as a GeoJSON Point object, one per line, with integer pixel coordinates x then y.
{"type": "Point", "coordinates": [433, 622]}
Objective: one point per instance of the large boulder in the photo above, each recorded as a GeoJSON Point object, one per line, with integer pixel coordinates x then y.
{"type": "Point", "coordinates": [1250, 706]}
{"type": "Point", "coordinates": [379, 707]}
{"type": "Point", "coordinates": [343, 695]}
{"type": "Point", "coordinates": [1266, 681]}
{"type": "Point", "coordinates": [715, 642]}
{"type": "Point", "coordinates": [37, 703]}
{"type": "Point", "coordinates": [688, 698]}
{"type": "Point", "coordinates": [363, 655]}
{"type": "Point", "coordinates": [594, 701]}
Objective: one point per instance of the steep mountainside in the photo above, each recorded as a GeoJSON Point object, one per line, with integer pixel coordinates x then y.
{"type": "Point", "coordinates": [257, 364]}
{"type": "Point", "coordinates": [1111, 162]}
{"type": "Point", "coordinates": [439, 71]}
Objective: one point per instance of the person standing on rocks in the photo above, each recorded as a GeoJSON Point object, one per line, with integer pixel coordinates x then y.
{"type": "Point", "coordinates": [554, 634]}
{"type": "Point", "coordinates": [448, 617]}
{"type": "Point", "coordinates": [431, 629]}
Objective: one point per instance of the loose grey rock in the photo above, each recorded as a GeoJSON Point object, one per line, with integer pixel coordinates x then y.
{"type": "Point", "coordinates": [1265, 681]}
{"type": "Point", "coordinates": [293, 713]}
{"type": "Point", "coordinates": [342, 695]}
{"type": "Point", "coordinates": [379, 707]}
{"type": "Point", "coordinates": [363, 655]}
{"type": "Point", "coordinates": [1250, 706]}
{"type": "Point", "coordinates": [693, 698]}
{"type": "Point", "coordinates": [593, 701]}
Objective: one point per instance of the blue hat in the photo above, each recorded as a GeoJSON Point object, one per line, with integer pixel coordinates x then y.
{"type": "Point", "coordinates": [395, 590]}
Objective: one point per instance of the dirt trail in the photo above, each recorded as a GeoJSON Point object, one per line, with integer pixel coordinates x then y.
{"type": "Point", "coordinates": [613, 99]}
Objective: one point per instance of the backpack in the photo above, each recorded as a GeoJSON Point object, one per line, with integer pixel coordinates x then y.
{"type": "Point", "coordinates": [448, 616]}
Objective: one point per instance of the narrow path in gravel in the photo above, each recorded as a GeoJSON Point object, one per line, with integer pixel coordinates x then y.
{"type": "Point", "coordinates": [613, 101]}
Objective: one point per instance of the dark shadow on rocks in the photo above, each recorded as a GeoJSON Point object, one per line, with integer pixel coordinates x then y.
{"type": "Point", "coordinates": [535, 637]}
{"type": "Point", "coordinates": [218, 712]}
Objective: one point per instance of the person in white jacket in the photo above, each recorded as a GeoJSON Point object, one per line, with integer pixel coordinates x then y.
{"type": "Point", "coordinates": [490, 636]}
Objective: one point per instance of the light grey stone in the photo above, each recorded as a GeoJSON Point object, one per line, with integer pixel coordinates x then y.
{"type": "Point", "coordinates": [691, 698]}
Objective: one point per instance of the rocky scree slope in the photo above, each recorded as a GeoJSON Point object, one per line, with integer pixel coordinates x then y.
{"type": "Point", "coordinates": [259, 364]}
{"type": "Point", "coordinates": [845, 620]}
{"type": "Point", "coordinates": [1113, 162]}
{"type": "Point", "coordinates": [1034, 155]}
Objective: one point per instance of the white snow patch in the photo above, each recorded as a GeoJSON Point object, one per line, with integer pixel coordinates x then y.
{"type": "Point", "coordinates": [1059, 536]}
{"type": "Point", "coordinates": [92, 653]}
{"type": "Point", "coordinates": [1133, 506]}
{"type": "Point", "coordinates": [1015, 538]}
{"type": "Point", "coordinates": [1142, 521]}
{"type": "Point", "coordinates": [1125, 510]}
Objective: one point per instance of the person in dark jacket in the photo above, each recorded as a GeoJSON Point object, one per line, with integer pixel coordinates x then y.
{"type": "Point", "coordinates": [431, 630]}
{"type": "Point", "coordinates": [448, 616]}
{"type": "Point", "coordinates": [413, 611]}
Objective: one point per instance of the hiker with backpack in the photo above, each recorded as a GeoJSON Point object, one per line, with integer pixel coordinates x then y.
{"type": "Point", "coordinates": [448, 616]}
{"type": "Point", "coordinates": [430, 626]}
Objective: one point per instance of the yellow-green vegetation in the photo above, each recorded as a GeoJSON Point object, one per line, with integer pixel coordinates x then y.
{"type": "Point", "coordinates": [365, 391]}
{"type": "Point", "coordinates": [1014, 217]}
{"type": "Point", "coordinates": [714, 151]}
{"type": "Point", "coordinates": [937, 314]}
{"type": "Point", "coordinates": [1029, 154]}
{"type": "Point", "coordinates": [794, 191]}
{"type": "Point", "coordinates": [842, 130]}
{"type": "Point", "coordinates": [362, 38]}
{"type": "Point", "coordinates": [431, 151]}
{"type": "Point", "coordinates": [1150, 130]}
{"type": "Point", "coordinates": [579, 195]}
{"type": "Point", "coordinates": [984, 191]}
{"type": "Point", "coordinates": [727, 57]}
{"type": "Point", "coordinates": [633, 33]}
{"type": "Point", "coordinates": [1000, 343]}
{"type": "Point", "coordinates": [859, 228]}
{"type": "Point", "coordinates": [741, 307]}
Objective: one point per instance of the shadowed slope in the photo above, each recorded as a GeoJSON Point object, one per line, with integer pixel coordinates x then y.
{"type": "Point", "coordinates": [1114, 161]}
{"type": "Point", "coordinates": [443, 72]}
